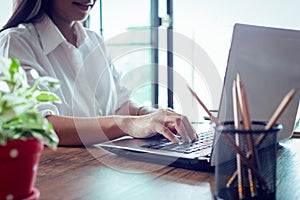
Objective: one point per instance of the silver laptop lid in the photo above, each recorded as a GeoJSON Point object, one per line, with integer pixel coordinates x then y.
{"type": "Point", "coordinates": [268, 60]}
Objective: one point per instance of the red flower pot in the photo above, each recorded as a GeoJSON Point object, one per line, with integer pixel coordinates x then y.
{"type": "Point", "coordinates": [18, 168]}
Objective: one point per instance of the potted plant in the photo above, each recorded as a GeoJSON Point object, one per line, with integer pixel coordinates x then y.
{"type": "Point", "coordinates": [23, 130]}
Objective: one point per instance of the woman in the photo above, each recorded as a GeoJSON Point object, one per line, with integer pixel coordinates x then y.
{"type": "Point", "coordinates": [46, 35]}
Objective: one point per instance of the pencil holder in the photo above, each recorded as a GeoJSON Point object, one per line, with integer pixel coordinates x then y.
{"type": "Point", "coordinates": [245, 161]}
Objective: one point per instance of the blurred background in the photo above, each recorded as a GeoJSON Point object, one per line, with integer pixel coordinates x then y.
{"type": "Point", "coordinates": [159, 46]}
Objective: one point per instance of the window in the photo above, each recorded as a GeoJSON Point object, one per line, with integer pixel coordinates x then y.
{"type": "Point", "coordinates": [201, 40]}
{"type": "Point", "coordinates": [5, 12]}
{"type": "Point", "coordinates": [131, 31]}
{"type": "Point", "coordinates": [126, 29]}
{"type": "Point", "coordinates": [209, 24]}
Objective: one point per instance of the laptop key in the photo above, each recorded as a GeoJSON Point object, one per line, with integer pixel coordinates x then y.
{"type": "Point", "coordinates": [204, 141]}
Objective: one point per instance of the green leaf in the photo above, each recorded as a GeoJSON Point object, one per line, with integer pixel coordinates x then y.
{"type": "Point", "coordinates": [21, 78]}
{"type": "Point", "coordinates": [7, 114]}
{"type": "Point", "coordinates": [19, 118]}
{"type": "Point", "coordinates": [46, 96]}
{"type": "Point", "coordinates": [14, 68]}
{"type": "Point", "coordinates": [34, 74]}
{"type": "Point", "coordinates": [5, 64]}
{"type": "Point", "coordinates": [50, 82]}
{"type": "Point", "coordinates": [2, 139]}
{"type": "Point", "coordinates": [4, 86]}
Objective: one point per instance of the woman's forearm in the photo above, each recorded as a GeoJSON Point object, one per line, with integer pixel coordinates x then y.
{"type": "Point", "coordinates": [78, 131]}
{"type": "Point", "coordinates": [86, 131]}
{"type": "Point", "coordinates": [73, 131]}
{"type": "Point", "coordinates": [135, 109]}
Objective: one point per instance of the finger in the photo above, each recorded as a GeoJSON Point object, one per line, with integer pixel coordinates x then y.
{"type": "Point", "coordinates": [168, 134]}
{"type": "Point", "coordinates": [181, 130]}
{"type": "Point", "coordinates": [180, 124]}
{"type": "Point", "coordinates": [186, 130]}
{"type": "Point", "coordinates": [190, 130]}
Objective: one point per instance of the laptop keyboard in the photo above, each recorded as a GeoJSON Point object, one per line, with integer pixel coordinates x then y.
{"type": "Point", "coordinates": [205, 140]}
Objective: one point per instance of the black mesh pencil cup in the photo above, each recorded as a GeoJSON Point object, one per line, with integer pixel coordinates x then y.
{"type": "Point", "coordinates": [245, 161]}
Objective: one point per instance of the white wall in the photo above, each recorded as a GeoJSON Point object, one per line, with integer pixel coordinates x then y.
{"type": "Point", "coordinates": [5, 11]}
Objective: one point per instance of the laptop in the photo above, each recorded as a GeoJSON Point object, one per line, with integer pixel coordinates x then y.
{"type": "Point", "coordinates": [268, 61]}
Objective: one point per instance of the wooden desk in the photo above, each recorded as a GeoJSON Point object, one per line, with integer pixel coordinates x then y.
{"type": "Point", "coordinates": [92, 174]}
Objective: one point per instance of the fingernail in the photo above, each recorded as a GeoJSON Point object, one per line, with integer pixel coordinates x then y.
{"type": "Point", "coordinates": [189, 140]}
{"type": "Point", "coordinates": [176, 140]}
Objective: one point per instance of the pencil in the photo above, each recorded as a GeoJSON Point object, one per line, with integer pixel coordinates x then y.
{"type": "Point", "coordinates": [284, 103]}
{"type": "Point", "coordinates": [237, 140]}
{"type": "Point", "coordinates": [247, 126]}
{"type": "Point", "coordinates": [212, 118]}
{"type": "Point", "coordinates": [230, 140]}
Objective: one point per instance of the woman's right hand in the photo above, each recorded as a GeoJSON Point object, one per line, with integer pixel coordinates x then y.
{"type": "Point", "coordinates": [163, 121]}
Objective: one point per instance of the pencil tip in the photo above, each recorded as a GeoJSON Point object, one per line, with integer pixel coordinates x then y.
{"type": "Point", "coordinates": [190, 89]}
{"type": "Point", "coordinates": [238, 77]}
{"type": "Point", "coordinates": [292, 92]}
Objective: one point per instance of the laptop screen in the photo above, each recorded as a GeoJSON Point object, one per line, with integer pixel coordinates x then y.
{"type": "Point", "coordinates": [268, 61]}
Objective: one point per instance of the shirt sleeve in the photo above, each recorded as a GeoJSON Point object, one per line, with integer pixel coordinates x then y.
{"type": "Point", "coordinates": [12, 45]}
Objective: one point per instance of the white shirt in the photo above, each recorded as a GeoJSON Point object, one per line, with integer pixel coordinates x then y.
{"type": "Point", "coordinates": [89, 83]}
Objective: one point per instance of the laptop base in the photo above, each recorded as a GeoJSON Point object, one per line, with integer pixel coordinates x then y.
{"type": "Point", "coordinates": [202, 165]}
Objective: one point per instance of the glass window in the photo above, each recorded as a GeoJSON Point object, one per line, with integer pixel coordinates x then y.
{"type": "Point", "coordinates": [125, 26]}
{"type": "Point", "coordinates": [5, 12]}
{"type": "Point", "coordinates": [201, 42]}
{"type": "Point", "coordinates": [209, 25]}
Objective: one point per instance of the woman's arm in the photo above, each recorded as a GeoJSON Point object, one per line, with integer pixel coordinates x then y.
{"type": "Point", "coordinates": [73, 131]}
{"type": "Point", "coordinates": [135, 109]}
{"type": "Point", "coordinates": [79, 131]}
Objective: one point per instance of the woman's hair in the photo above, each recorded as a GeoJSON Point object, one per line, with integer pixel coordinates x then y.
{"type": "Point", "coordinates": [27, 11]}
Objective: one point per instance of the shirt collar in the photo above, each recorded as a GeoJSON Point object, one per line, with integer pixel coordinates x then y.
{"type": "Point", "coordinates": [50, 36]}
{"type": "Point", "coordinates": [81, 33]}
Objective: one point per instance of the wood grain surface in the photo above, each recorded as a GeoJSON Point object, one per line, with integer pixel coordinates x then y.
{"type": "Point", "coordinates": [92, 173]}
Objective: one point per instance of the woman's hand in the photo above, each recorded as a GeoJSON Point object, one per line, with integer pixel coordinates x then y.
{"type": "Point", "coordinates": [164, 121]}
